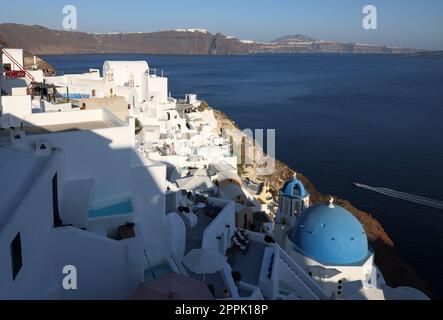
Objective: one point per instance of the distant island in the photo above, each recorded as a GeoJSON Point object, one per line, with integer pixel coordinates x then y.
{"type": "Point", "coordinates": [41, 40]}
{"type": "Point", "coordinates": [428, 54]}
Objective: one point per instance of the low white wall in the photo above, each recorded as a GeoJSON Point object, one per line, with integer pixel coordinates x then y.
{"type": "Point", "coordinates": [157, 87]}
{"type": "Point", "coordinates": [177, 231]}
{"type": "Point", "coordinates": [219, 226]}
{"type": "Point", "coordinates": [16, 108]}
{"type": "Point", "coordinates": [269, 286]}
{"type": "Point", "coordinates": [8, 84]}
{"type": "Point", "coordinates": [50, 107]}
{"type": "Point", "coordinates": [55, 118]}
{"type": "Point", "coordinates": [290, 272]}
{"type": "Point", "coordinates": [33, 219]}
{"type": "Point", "coordinates": [37, 75]}
{"type": "Point", "coordinates": [21, 91]}
{"type": "Point", "coordinates": [103, 154]}
{"type": "Point", "coordinates": [148, 186]}
{"type": "Point", "coordinates": [106, 269]}
{"type": "Point", "coordinates": [226, 274]}
{"type": "Point", "coordinates": [108, 226]}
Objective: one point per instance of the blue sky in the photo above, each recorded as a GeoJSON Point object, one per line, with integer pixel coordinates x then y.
{"type": "Point", "coordinates": [407, 23]}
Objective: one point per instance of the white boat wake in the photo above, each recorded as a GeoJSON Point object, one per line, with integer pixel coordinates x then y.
{"type": "Point", "coordinates": [403, 196]}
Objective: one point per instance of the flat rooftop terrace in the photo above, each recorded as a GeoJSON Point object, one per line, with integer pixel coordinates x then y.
{"type": "Point", "coordinates": [66, 127]}
{"type": "Point", "coordinates": [74, 120]}
{"type": "Point", "coordinates": [249, 263]}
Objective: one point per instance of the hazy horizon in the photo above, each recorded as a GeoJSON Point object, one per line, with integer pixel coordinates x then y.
{"type": "Point", "coordinates": [411, 24]}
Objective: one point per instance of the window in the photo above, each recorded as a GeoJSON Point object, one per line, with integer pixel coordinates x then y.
{"type": "Point", "coordinates": [55, 211]}
{"type": "Point", "coordinates": [296, 190]}
{"type": "Point", "coordinates": [7, 67]}
{"type": "Point", "coordinates": [16, 255]}
{"type": "Point", "coordinates": [284, 205]}
{"type": "Point", "coordinates": [93, 93]}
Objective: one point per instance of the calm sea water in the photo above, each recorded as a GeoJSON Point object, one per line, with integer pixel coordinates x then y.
{"type": "Point", "coordinates": [377, 120]}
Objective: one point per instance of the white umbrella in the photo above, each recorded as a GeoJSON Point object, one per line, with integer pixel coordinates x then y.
{"type": "Point", "coordinates": [204, 261]}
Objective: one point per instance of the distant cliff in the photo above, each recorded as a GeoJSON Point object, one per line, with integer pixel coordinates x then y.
{"type": "Point", "coordinates": [302, 44]}
{"type": "Point", "coordinates": [41, 40]}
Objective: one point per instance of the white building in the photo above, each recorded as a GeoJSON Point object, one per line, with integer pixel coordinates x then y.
{"type": "Point", "coordinates": [294, 198]}
{"type": "Point", "coordinates": [12, 59]}
{"type": "Point", "coordinates": [71, 182]}
{"type": "Point", "coordinates": [133, 80]}
{"type": "Point", "coordinates": [15, 73]}
{"type": "Point", "coordinates": [331, 245]}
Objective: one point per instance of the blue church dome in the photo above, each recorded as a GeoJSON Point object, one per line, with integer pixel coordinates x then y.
{"type": "Point", "coordinates": [294, 188]}
{"type": "Point", "coordinates": [330, 235]}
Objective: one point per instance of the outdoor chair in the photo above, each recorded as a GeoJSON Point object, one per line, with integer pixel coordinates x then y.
{"type": "Point", "coordinates": [240, 246]}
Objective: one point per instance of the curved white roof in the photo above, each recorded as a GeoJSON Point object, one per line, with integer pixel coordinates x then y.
{"type": "Point", "coordinates": [122, 70]}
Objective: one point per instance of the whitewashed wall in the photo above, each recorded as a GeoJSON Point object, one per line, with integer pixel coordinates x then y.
{"type": "Point", "coordinates": [15, 108]}
{"type": "Point", "coordinates": [106, 268]}
{"type": "Point", "coordinates": [97, 154]}
{"type": "Point", "coordinates": [33, 218]}
{"type": "Point", "coordinates": [218, 226]}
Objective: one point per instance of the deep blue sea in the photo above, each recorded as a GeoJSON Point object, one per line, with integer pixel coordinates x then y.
{"type": "Point", "coordinates": [372, 119]}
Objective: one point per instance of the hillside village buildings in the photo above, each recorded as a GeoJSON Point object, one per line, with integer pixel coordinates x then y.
{"type": "Point", "coordinates": [106, 176]}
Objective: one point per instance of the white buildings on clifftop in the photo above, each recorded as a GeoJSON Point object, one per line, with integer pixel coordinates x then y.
{"type": "Point", "coordinates": [124, 197]}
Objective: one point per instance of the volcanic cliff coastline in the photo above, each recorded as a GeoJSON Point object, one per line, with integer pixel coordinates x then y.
{"type": "Point", "coordinates": [395, 270]}
{"type": "Point", "coordinates": [43, 41]}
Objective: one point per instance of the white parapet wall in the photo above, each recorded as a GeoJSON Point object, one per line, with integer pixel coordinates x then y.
{"type": "Point", "coordinates": [17, 57]}
{"type": "Point", "coordinates": [107, 269]}
{"type": "Point", "coordinates": [31, 217]}
{"type": "Point", "coordinates": [14, 110]}
{"type": "Point", "coordinates": [222, 228]}
{"type": "Point", "coordinates": [93, 152]}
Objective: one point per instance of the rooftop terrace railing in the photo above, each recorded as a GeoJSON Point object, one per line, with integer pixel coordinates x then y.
{"type": "Point", "coordinates": [307, 281]}
{"type": "Point", "coordinates": [155, 72]}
